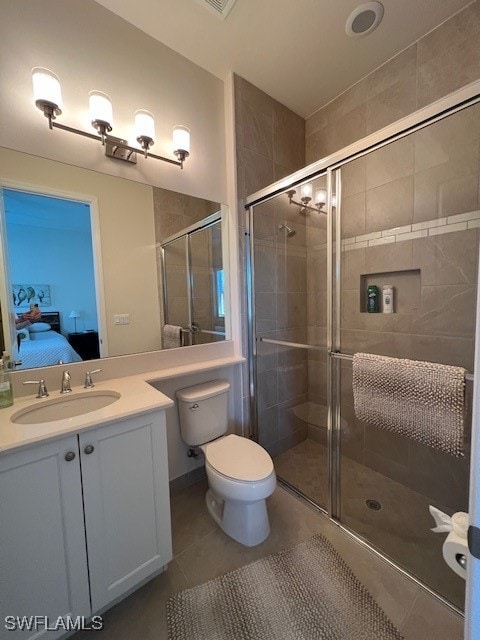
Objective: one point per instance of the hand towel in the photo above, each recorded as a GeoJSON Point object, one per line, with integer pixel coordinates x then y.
{"type": "Point", "coordinates": [424, 401]}
{"type": "Point", "coordinates": [172, 336]}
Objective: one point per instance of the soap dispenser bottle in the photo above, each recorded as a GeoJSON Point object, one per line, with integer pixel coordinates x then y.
{"type": "Point", "coordinates": [6, 393]}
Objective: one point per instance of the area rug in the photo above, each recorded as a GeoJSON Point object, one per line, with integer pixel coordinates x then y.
{"type": "Point", "coordinates": [304, 593]}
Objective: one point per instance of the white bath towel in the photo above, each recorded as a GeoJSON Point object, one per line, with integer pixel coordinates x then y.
{"type": "Point", "coordinates": [172, 336]}
{"type": "Point", "coordinates": [424, 401]}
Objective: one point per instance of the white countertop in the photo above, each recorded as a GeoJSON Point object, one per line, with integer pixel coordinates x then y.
{"type": "Point", "coordinates": [137, 396]}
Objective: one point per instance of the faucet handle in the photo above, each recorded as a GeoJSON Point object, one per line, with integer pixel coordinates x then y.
{"type": "Point", "coordinates": [88, 378]}
{"type": "Point", "coordinates": [42, 387]}
{"type": "Point", "coordinates": [66, 388]}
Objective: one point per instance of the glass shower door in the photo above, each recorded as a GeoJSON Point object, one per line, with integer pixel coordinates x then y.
{"type": "Point", "coordinates": [207, 284]}
{"type": "Point", "coordinates": [176, 293]}
{"type": "Point", "coordinates": [409, 221]}
{"type": "Point", "coordinates": [289, 267]}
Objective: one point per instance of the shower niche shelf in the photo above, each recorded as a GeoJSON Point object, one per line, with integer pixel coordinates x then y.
{"type": "Point", "coordinates": [406, 289]}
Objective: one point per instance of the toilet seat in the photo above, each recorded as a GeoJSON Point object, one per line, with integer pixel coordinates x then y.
{"type": "Point", "coordinates": [238, 459]}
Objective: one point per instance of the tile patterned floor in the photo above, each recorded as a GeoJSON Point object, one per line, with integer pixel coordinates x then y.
{"type": "Point", "coordinates": [400, 530]}
{"type": "Point", "coordinates": [202, 551]}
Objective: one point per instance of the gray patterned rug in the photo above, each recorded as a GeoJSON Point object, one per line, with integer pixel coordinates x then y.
{"type": "Point", "coordinates": [304, 593]}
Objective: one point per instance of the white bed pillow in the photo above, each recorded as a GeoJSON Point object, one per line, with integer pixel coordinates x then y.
{"type": "Point", "coordinates": [38, 327]}
{"type": "Point", "coordinates": [23, 333]}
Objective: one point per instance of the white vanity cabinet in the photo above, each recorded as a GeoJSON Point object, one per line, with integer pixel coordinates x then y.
{"type": "Point", "coordinates": [43, 560]}
{"type": "Point", "coordinates": [85, 518]}
{"type": "Point", "coordinates": [127, 504]}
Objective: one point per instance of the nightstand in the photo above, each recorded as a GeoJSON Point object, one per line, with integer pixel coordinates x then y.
{"type": "Point", "coordinates": [85, 344]}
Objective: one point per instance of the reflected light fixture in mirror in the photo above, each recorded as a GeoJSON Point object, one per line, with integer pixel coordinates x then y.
{"type": "Point", "coordinates": [48, 98]}
{"type": "Point", "coordinates": [306, 193]}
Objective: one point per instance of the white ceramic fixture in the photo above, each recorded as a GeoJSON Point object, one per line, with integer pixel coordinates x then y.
{"type": "Point", "coordinates": [240, 472]}
{"type": "Point", "coordinates": [65, 407]}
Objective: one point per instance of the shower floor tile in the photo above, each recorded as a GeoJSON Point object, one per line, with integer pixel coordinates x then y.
{"type": "Point", "coordinates": [400, 529]}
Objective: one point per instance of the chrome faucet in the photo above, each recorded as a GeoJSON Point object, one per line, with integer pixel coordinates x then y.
{"type": "Point", "coordinates": [42, 387]}
{"type": "Point", "coordinates": [88, 378]}
{"type": "Point", "coordinates": [66, 388]}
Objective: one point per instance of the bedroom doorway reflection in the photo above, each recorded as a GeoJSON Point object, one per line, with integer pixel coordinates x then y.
{"type": "Point", "coordinates": [49, 279]}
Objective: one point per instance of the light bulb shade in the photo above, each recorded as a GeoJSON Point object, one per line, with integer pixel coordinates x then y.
{"type": "Point", "coordinates": [306, 190]}
{"type": "Point", "coordinates": [46, 87]}
{"type": "Point", "coordinates": [181, 140]}
{"type": "Point", "coordinates": [74, 314]}
{"type": "Point", "coordinates": [144, 124]}
{"type": "Point", "coordinates": [100, 108]}
{"type": "Point", "coordinates": [320, 197]}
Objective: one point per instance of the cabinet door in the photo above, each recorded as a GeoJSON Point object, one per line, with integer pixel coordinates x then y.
{"type": "Point", "coordinates": [127, 504]}
{"type": "Point", "coordinates": [43, 563]}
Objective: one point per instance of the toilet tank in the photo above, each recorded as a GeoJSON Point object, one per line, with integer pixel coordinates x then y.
{"type": "Point", "coordinates": [203, 411]}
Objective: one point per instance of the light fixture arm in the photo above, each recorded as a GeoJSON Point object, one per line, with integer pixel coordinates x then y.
{"type": "Point", "coordinates": [304, 205]}
{"type": "Point", "coordinates": [48, 98]}
{"type": "Point", "coordinates": [92, 136]}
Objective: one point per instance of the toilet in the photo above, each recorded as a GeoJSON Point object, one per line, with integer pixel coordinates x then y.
{"type": "Point", "coordinates": [240, 472]}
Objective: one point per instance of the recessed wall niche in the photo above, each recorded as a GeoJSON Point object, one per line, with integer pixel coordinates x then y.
{"type": "Point", "coordinates": [406, 290]}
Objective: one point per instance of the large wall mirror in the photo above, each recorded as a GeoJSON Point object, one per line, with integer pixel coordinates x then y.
{"type": "Point", "coordinates": [96, 266]}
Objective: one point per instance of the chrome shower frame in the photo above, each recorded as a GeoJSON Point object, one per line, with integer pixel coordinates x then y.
{"type": "Point", "coordinates": [331, 167]}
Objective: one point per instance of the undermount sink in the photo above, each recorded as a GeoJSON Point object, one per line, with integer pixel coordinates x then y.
{"type": "Point", "coordinates": [65, 407]}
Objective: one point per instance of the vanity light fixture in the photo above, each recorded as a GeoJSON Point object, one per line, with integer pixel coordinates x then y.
{"type": "Point", "coordinates": [306, 194]}
{"type": "Point", "coordinates": [48, 98]}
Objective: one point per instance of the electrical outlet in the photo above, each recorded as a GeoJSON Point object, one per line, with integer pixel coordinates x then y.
{"type": "Point", "coordinates": [121, 318]}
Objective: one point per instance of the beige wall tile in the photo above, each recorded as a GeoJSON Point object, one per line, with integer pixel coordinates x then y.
{"type": "Point", "coordinates": [256, 130]}
{"type": "Point", "coordinates": [389, 163]}
{"type": "Point", "coordinates": [258, 171]}
{"type": "Point", "coordinates": [387, 76]}
{"type": "Point", "coordinates": [453, 139]}
{"type": "Point", "coordinates": [351, 316]}
{"type": "Point", "coordinates": [353, 265]}
{"type": "Point", "coordinates": [447, 259]}
{"type": "Point", "coordinates": [391, 90]}
{"type": "Point", "coordinates": [447, 310]}
{"type": "Point", "coordinates": [391, 257]}
{"type": "Point", "coordinates": [389, 205]}
{"type": "Point", "coordinates": [354, 177]}
{"type": "Point", "coordinates": [353, 215]}
{"type": "Point", "coordinates": [444, 350]}
{"type": "Point", "coordinates": [449, 57]}
{"type": "Point", "coordinates": [289, 137]}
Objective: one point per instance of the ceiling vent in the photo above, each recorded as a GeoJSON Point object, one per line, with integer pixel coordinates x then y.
{"type": "Point", "coordinates": [221, 8]}
{"type": "Point", "coordinates": [364, 19]}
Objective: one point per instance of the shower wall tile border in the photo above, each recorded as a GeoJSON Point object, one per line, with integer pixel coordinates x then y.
{"type": "Point", "coordinates": [439, 226]}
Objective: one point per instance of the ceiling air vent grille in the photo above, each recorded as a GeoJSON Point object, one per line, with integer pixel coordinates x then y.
{"type": "Point", "coordinates": [221, 8]}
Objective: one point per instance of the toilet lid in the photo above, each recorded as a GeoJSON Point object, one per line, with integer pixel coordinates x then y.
{"type": "Point", "coordinates": [239, 458]}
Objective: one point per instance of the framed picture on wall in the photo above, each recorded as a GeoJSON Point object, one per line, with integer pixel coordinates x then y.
{"type": "Point", "coordinates": [26, 294]}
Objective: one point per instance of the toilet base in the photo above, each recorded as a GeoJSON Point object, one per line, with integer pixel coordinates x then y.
{"type": "Point", "coordinates": [245, 522]}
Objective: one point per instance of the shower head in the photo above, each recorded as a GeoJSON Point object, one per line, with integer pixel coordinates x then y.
{"type": "Point", "coordinates": [288, 232]}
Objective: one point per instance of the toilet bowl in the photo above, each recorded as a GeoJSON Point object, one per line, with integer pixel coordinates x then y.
{"type": "Point", "coordinates": [240, 472]}
{"type": "Point", "coordinates": [240, 476]}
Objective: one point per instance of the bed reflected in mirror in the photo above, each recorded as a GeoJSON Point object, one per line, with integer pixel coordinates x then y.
{"type": "Point", "coordinates": [87, 249]}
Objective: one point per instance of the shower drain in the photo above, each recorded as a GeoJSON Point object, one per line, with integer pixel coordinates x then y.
{"type": "Point", "coordinates": [374, 505]}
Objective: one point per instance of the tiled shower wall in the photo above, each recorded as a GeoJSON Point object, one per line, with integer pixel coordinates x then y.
{"type": "Point", "coordinates": [410, 218]}
{"type": "Point", "coordinates": [270, 144]}
{"type": "Point", "coordinates": [444, 60]}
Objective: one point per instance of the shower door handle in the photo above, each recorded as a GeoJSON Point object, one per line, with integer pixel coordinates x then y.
{"type": "Point", "coordinates": [195, 327]}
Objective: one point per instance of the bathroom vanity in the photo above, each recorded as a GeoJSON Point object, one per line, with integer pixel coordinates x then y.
{"type": "Point", "coordinates": [85, 512]}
